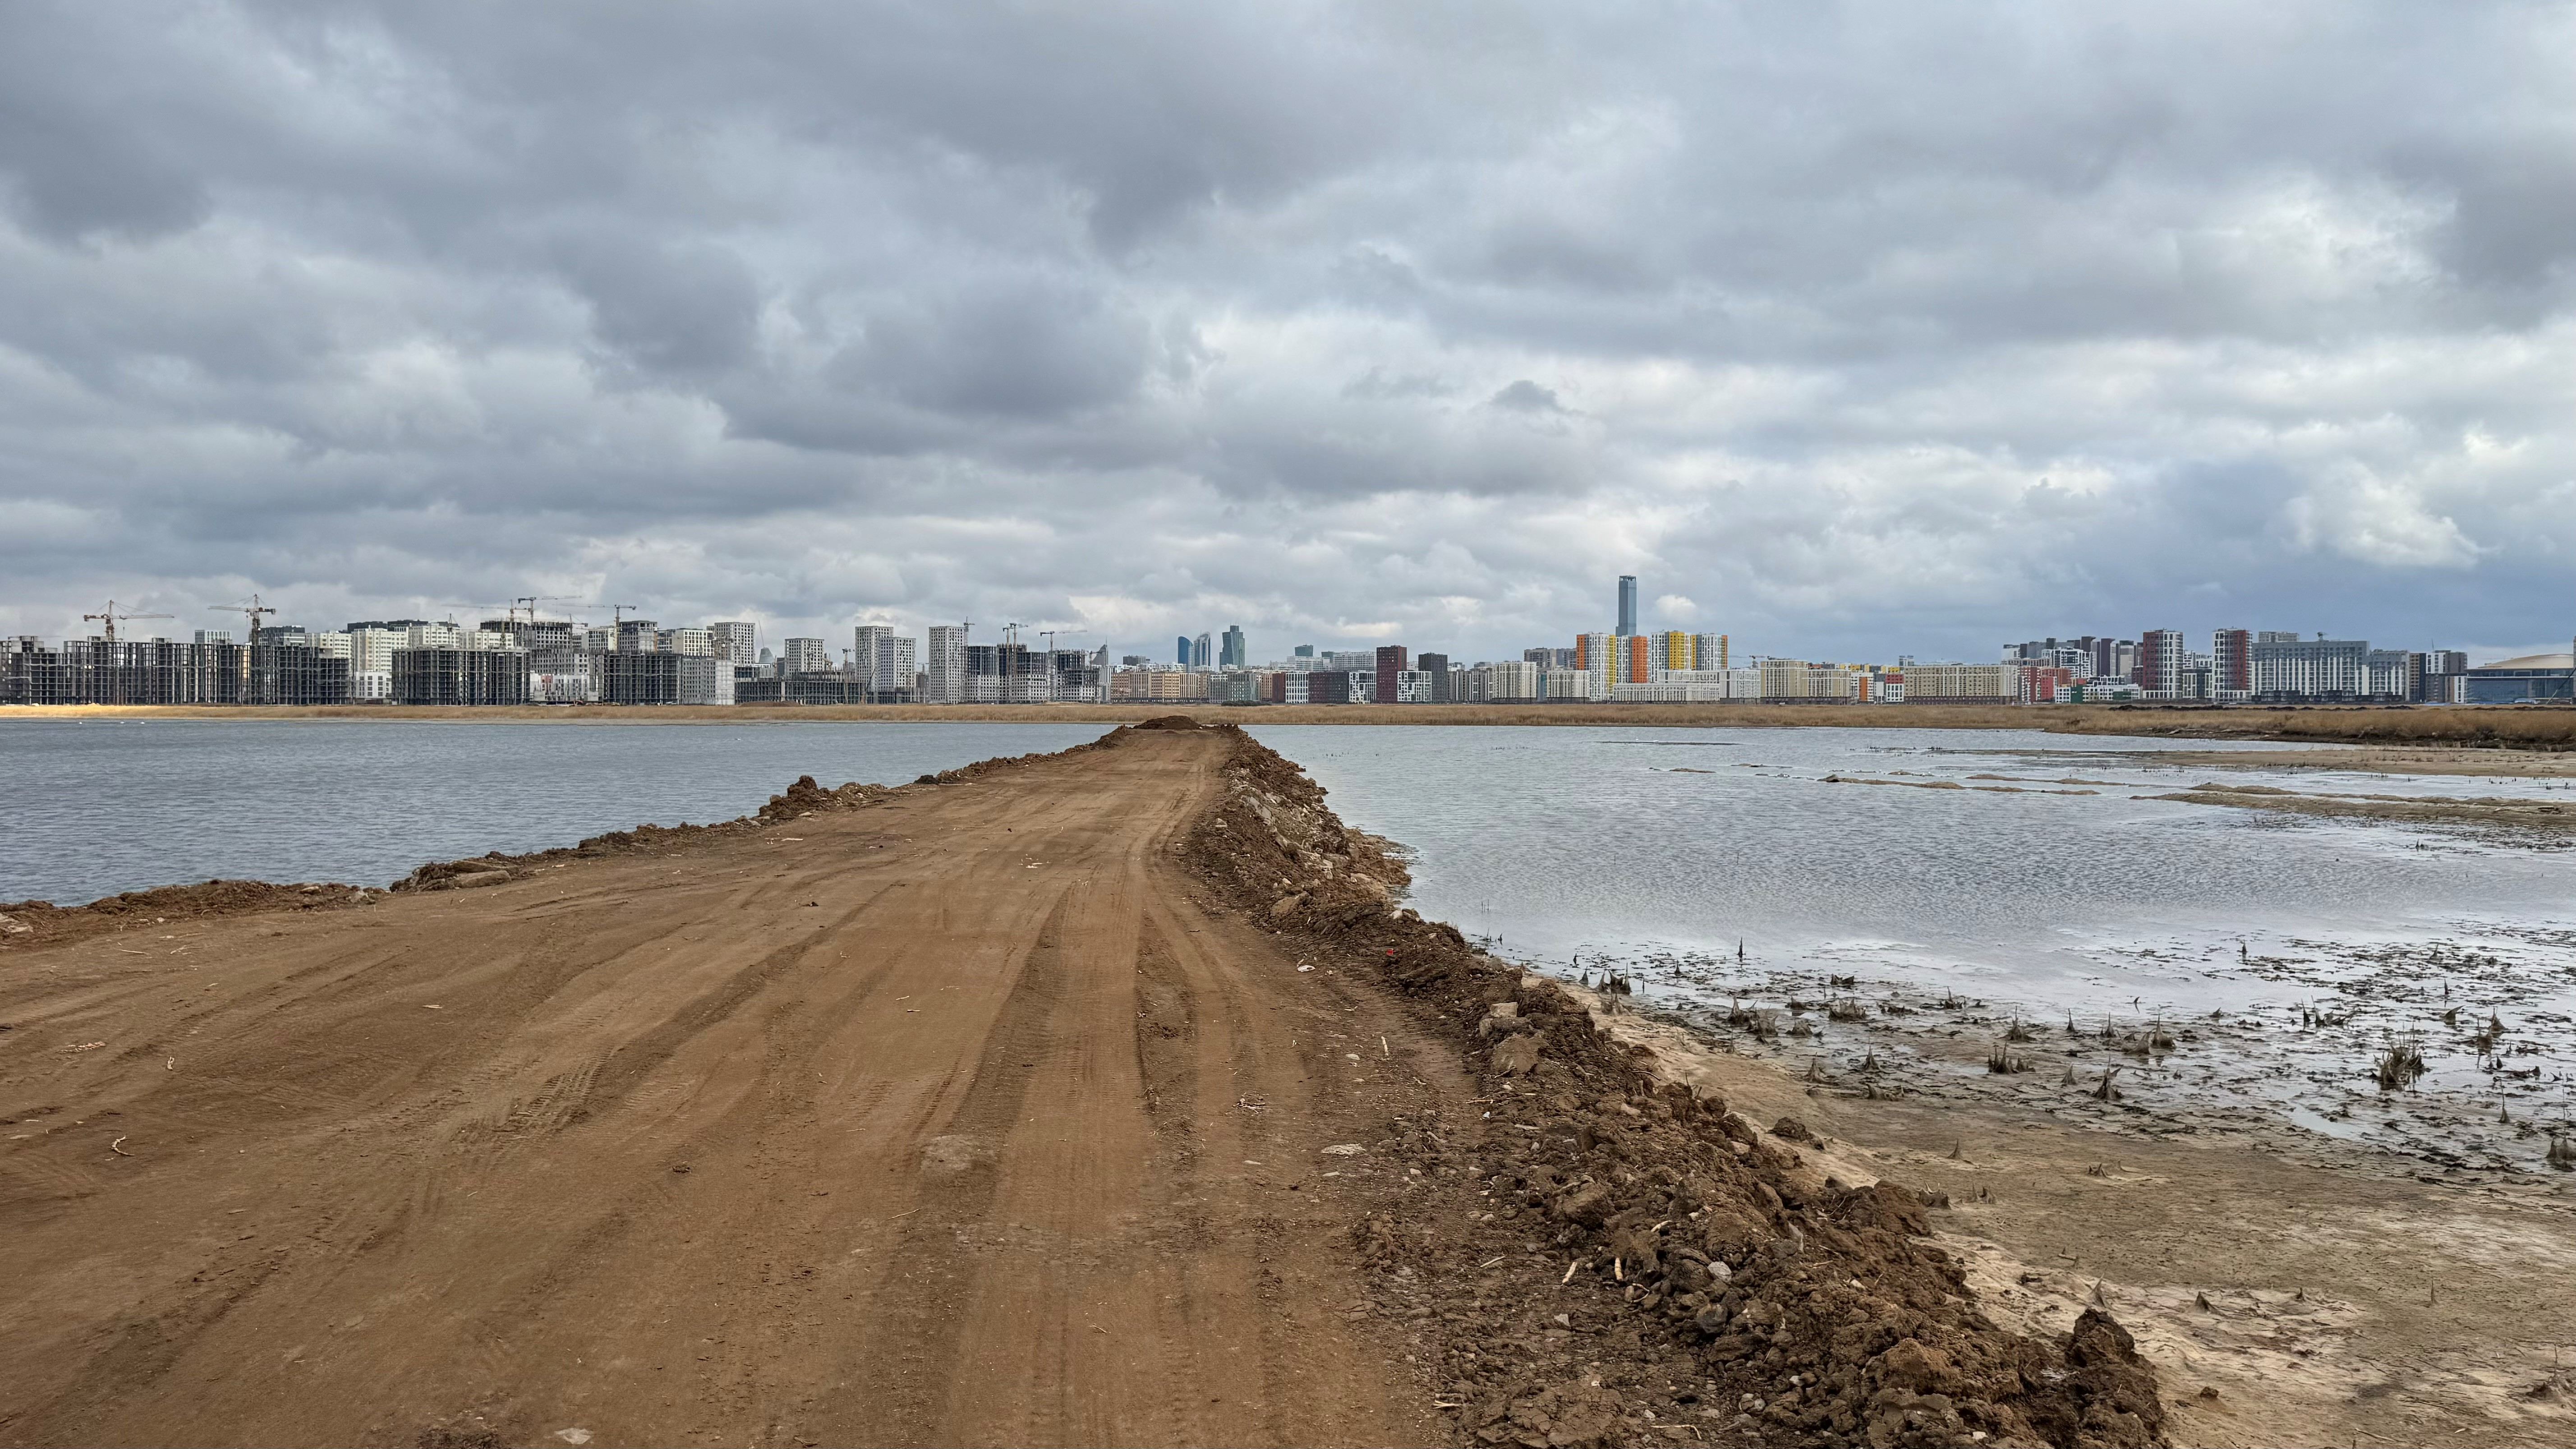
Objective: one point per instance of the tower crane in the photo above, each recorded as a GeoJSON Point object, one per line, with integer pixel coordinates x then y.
{"type": "Point", "coordinates": [252, 611]}
{"type": "Point", "coordinates": [113, 614]}
{"type": "Point", "coordinates": [532, 600]}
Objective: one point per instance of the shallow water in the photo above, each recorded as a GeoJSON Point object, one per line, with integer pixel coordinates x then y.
{"type": "Point", "coordinates": [93, 807]}
{"type": "Point", "coordinates": [1941, 917]}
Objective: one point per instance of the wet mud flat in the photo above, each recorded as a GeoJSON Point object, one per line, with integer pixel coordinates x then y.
{"type": "Point", "coordinates": [2455, 1055]}
{"type": "Point", "coordinates": [2324, 1298]}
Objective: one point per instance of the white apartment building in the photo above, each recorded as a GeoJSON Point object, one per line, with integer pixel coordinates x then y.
{"type": "Point", "coordinates": [884, 658]}
{"type": "Point", "coordinates": [1570, 684]}
{"type": "Point", "coordinates": [737, 642]}
{"type": "Point", "coordinates": [700, 643]}
{"type": "Point", "coordinates": [805, 656]}
{"type": "Point", "coordinates": [944, 671]}
{"type": "Point", "coordinates": [1503, 682]}
{"type": "Point", "coordinates": [431, 636]}
{"type": "Point", "coordinates": [1794, 681]}
{"type": "Point", "coordinates": [1962, 683]}
{"type": "Point", "coordinates": [371, 651]}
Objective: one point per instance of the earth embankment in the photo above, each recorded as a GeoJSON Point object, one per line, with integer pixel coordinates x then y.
{"type": "Point", "coordinates": [1104, 1097]}
{"type": "Point", "coordinates": [919, 1123]}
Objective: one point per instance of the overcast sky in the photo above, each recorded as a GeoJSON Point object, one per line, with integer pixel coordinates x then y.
{"type": "Point", "coordinates": [1851, 331]}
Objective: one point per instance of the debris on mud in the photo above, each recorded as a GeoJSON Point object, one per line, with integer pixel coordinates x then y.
{"type": "Point", "coordinates": [1620, 1261]}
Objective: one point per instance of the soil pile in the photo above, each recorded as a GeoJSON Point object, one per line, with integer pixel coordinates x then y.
{"type": "Point", "coordinates": [42, 923]}
{"type": "Point", "coordinates": [1639, 1264]}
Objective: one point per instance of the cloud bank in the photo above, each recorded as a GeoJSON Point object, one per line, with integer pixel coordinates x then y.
{"type": "Point", "coordinates": [1850, 331]}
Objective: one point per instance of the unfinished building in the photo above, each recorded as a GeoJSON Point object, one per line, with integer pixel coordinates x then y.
{"type": "Point", "coordinates": [446, 676]}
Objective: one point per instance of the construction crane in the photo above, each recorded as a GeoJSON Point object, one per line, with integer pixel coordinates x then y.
{"type": "Point", "coordinates": [252, 611]}
{"type": "Point", "coordinates": [532, 600]}
{"type": "Point", "coordinates": [112, 615]}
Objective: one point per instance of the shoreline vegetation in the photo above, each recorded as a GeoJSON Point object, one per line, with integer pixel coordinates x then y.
{"type": "Point", "coordinates": [2543, 728]}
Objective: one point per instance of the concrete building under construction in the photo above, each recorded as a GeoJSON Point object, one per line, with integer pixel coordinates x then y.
{"type": "Point", "coordinates": [283, 667]}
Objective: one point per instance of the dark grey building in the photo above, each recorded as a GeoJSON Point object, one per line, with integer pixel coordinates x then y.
{"type": "Point", "coordinates": [460, 676]}
{"type": "Point", "coordinates": [2531, 679]}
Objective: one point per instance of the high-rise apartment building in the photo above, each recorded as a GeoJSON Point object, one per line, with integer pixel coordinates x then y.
{"type": "Point", "coordinates": [1232, 654]}
{"type": "Point", "coordinates": [2287, 667]}
{"type": "Point", "coordinates": [637, 636]}
{"type": "Point", "coordinates": [806, 656]}
{"type": "Point", "coordinates": [1709, 651]}
{"type": "Point", "coordinates": [2160, 663]}
{"type": "Point", "coordinates": [737, 642]}
{"type": "Point", "coordinates": [944, 672]}
{"type": "Point", "coordinates": [1671, 650]}
{"type": "Point", "coordinates": [882, 657]}
{"type": "Point", "coordinates": [1627, 604]}
{"type": "Point", "coordinates": [1595, 655]}
{"type": "Point", "coordinates": [1391, 661]}
{"type": "Point", "coordinates": [2231, 662]}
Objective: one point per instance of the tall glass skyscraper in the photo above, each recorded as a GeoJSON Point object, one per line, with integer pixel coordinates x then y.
{"type": "Point", "coordinates": [1230, 652]}
{"type": "Point", "coordinates": [1627, 605]}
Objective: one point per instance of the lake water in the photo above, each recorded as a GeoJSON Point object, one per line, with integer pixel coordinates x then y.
{"type": "Point", "coordinates": [1728, 874]}
{"type": "Point", "coordinates": [93, 807]}
{"type": "Point", "coordinates": [1723, 869]}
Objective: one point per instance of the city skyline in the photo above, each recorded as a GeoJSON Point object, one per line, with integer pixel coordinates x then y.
{"type": "Point", "coordinates": [1206, 649]}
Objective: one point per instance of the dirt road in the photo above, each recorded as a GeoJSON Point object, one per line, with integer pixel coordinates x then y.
{"type": "Point", "coordinates": [952, 1120]}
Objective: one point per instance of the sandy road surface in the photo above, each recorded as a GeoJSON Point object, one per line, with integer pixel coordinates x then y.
{"type": "Point", "coordinates": [923, 1123]}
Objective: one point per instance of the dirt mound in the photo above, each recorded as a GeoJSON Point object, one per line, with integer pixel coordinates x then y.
{"type": "Point", "coordinates": [1637, 1259]}
{"type": "Point", "coordinates": [42, 923]}
{"type": "Point", "coordinates": [1173, 722]}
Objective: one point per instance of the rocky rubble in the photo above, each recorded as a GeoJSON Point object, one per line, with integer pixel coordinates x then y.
{"type": "Point", "coordinates": [1618, 1261]}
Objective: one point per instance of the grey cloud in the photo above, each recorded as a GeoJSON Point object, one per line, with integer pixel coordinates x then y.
{"type": "Point", "coordinates": [1525, 396]}
{"type": "Point", "coordinates": [687, 308]}
{"type": "Point", "coordinates": [1025, 349]}
{"type": "Point", "coordinates": [1910, 328]}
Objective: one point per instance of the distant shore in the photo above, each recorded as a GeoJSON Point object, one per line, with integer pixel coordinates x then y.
{"type": "Point", "coordinates": [2505, 727]}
